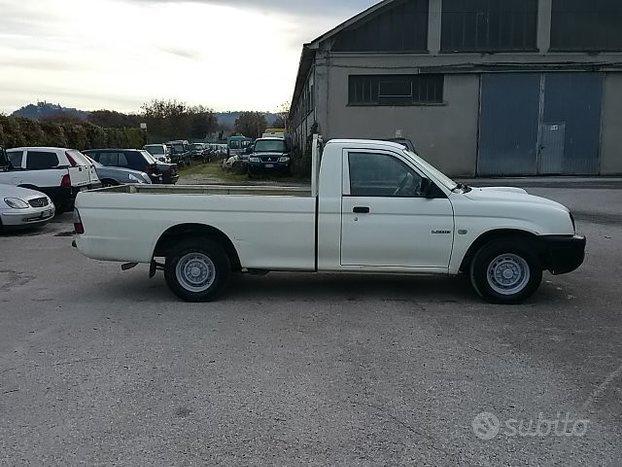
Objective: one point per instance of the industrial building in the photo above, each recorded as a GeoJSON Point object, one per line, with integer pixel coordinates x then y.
{"type": "Point", "coordinates": [481, 87]}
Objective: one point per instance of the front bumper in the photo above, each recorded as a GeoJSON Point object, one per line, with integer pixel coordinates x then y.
{"type": "Point", "coordinates": [169, 179]}
{"type": "Point", "coordinates": [28, 217]}
{"type": "Point", "coordinates": [268, 166]}
{"type": "Point", "coordinates": [563, 254]}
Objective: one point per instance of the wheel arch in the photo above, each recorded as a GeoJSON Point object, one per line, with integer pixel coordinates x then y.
{"type": "Point", "coordinates": [181, 232]}
{"type": "Point", "coordinates": [496, 234]}
{"type": "Point", "coordinates": [29, 187]}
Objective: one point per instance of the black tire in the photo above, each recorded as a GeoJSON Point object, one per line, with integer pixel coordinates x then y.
{"type": "Point", "coordinates": [515, 254]}
{"type": "Point", "coordinates": [204, 292]}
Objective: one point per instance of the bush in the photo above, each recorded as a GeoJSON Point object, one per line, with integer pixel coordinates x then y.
{"type": "Point", "coordinates": [18, 132]}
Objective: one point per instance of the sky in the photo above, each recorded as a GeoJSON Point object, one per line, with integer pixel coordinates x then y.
{"type": "Point", "coordinates": [119, 54]}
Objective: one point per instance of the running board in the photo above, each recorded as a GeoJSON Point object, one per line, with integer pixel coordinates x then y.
{"type": "Point", "coordinates": [128, 266]}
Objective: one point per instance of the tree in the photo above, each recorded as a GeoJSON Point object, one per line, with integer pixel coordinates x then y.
{"type": "Point", "coordinates": [171, 119]}
{"type": "Point", "coordinates": [251, 124]}
{"type": "Point", "coordinates": [281, 116]}
{"type": "Point", "coordinates": [112, 119]}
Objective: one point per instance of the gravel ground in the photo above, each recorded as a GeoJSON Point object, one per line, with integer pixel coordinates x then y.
{"type": "Point", "coordinates": [100, 366]}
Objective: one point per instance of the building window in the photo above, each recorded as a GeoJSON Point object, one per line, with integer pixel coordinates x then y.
{"type": "Point", "coordinates": [580, 25]}
{"type": "Point", "coordinates": [489, 25]}
{"type": "Point", "coordinates": [395, 89]}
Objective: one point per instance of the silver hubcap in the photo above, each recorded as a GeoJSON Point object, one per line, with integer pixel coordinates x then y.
{"type": "Point", "coordinates": [196, 272]}
{"type": "Point", "coordinates": [508, 274]}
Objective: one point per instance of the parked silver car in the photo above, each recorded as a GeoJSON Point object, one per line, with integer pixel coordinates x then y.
{"type": "Point", "coordinates": [111, 176]}
{"type": "Point", "coordinates": [21, 207]}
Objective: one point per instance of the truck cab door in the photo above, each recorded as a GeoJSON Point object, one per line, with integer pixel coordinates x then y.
{"type": "Point", "coordinates": [390, 221]}
{"type": "Point", "coordinates": [13, 171]}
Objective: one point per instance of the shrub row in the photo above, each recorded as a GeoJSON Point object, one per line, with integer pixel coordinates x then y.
{"type": "Point", "coordinates": [18, 132]}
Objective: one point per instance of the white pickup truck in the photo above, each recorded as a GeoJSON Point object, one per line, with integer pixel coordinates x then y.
{"type": "Point", "coordinates": [373, 207]}
{"type": "Point", "coordinates": [60, 173]}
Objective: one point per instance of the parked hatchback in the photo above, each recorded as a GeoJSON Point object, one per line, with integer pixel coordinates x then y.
{"type": "Point", "coordinates": [114, 176]}
{"type": "Point", "coordinates": [136, 159]}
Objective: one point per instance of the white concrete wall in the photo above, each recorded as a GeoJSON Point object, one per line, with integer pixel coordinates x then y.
{"type": "Point", "coordinates": [446, 134]}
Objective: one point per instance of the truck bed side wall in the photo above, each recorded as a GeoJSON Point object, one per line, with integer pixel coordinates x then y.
{"type": "Point", "coordinates": [268, 232]}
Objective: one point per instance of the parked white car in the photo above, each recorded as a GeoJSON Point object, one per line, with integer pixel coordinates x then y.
{"type": "Point", "coordinates": [160, 151]}
{"type": "Point", "coordinates": [20, 207]}
{"type": "Point", "coordinates": [60, 173]}
{"type": "Point", "coordinates": [374, 207]}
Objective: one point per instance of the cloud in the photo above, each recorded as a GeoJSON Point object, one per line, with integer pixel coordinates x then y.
{"type": "Point", "coordinates": [182, 53]}
{"type": "Point", "coordinates": [225, 54]}
{"type": "Point", "coordinates": [326, 8]}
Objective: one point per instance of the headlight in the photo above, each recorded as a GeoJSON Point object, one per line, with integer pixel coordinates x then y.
{"type": "Point", "coordinates": [284, 159]}
{"type": "Point", "coordinates": [135, 179]}
{"type": "Point", "coordinates": [146, 180]}
{"type": "Point", "coordinates": [16, 203]}
{"type": "Point", "coordinates": [254, 159]}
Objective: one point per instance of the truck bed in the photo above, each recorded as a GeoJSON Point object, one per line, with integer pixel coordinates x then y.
{"type": "Point", "coordinates": [270, 227]}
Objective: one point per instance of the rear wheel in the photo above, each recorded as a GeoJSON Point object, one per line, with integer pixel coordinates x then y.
{"type": "Point", "coordinates": [506, 271]}
{"type": "Point", "coordinates": [197, 270]}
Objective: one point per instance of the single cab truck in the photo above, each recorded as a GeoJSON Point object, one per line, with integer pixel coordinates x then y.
{"type": "Point", "coordinates": [374, 207]}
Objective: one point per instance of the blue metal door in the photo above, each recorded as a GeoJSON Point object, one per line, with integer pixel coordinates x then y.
{"type": "Point", "coordinates": [509, 115]}
{"type": "Point", "coordinates": [572, 102]}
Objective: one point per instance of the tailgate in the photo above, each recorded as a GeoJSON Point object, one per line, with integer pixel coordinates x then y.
{"type": "Point", "coordinates": [83, 174]}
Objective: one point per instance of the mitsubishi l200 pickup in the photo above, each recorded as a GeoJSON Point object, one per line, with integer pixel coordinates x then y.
{"type": "Point", "coordinates": [373, 207]}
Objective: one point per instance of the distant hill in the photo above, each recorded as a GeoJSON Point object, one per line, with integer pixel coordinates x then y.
{"type": "Point", "coordinates": [45, 110]}
{"type": "Point", "coordinates": [227, 119]}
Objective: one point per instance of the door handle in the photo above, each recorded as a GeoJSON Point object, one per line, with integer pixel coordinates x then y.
{"type": "Point", "coordinates": [361, 210]}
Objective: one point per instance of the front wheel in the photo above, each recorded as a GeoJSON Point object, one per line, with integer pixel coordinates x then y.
{"type": "Point", "coordinates": [506, 271]}
{"type": "Point", "coordinates": [197, 270]}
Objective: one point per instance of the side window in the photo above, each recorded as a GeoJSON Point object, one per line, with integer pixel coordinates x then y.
{"type": "Point", "coordinates": [39, 160]}
{"type": "Point", "coordinates": [382, 175]}
{"type": "Point", "coordinates": [135, 160]}
{"type": "Point", "coordinates": [15, 158]}
{"type": "Point", "coordinates": [108, 159]}
{"type": "Point", "coordinates": [123, 160]}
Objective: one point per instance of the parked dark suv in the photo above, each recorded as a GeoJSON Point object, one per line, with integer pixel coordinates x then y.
{"type": "Point", "coordinates": [269, 154]}
{"type": "Point", "coordinates": [135, 159]}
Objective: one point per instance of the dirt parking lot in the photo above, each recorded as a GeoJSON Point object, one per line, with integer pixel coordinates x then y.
{"type": "Point", "coordinates": [103, 366]}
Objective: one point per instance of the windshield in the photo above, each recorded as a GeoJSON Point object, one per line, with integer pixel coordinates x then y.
{"type": "Point", "coordinates": [95, 163]}
{"type": "Point", "coordinates": [270, 145]}
{"type": "Point", "coordinates": [437, 174]}
{"type": "Point", "coordinates": [148, 157]}
{"type": "Point", "coordinates": [156, 150]}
